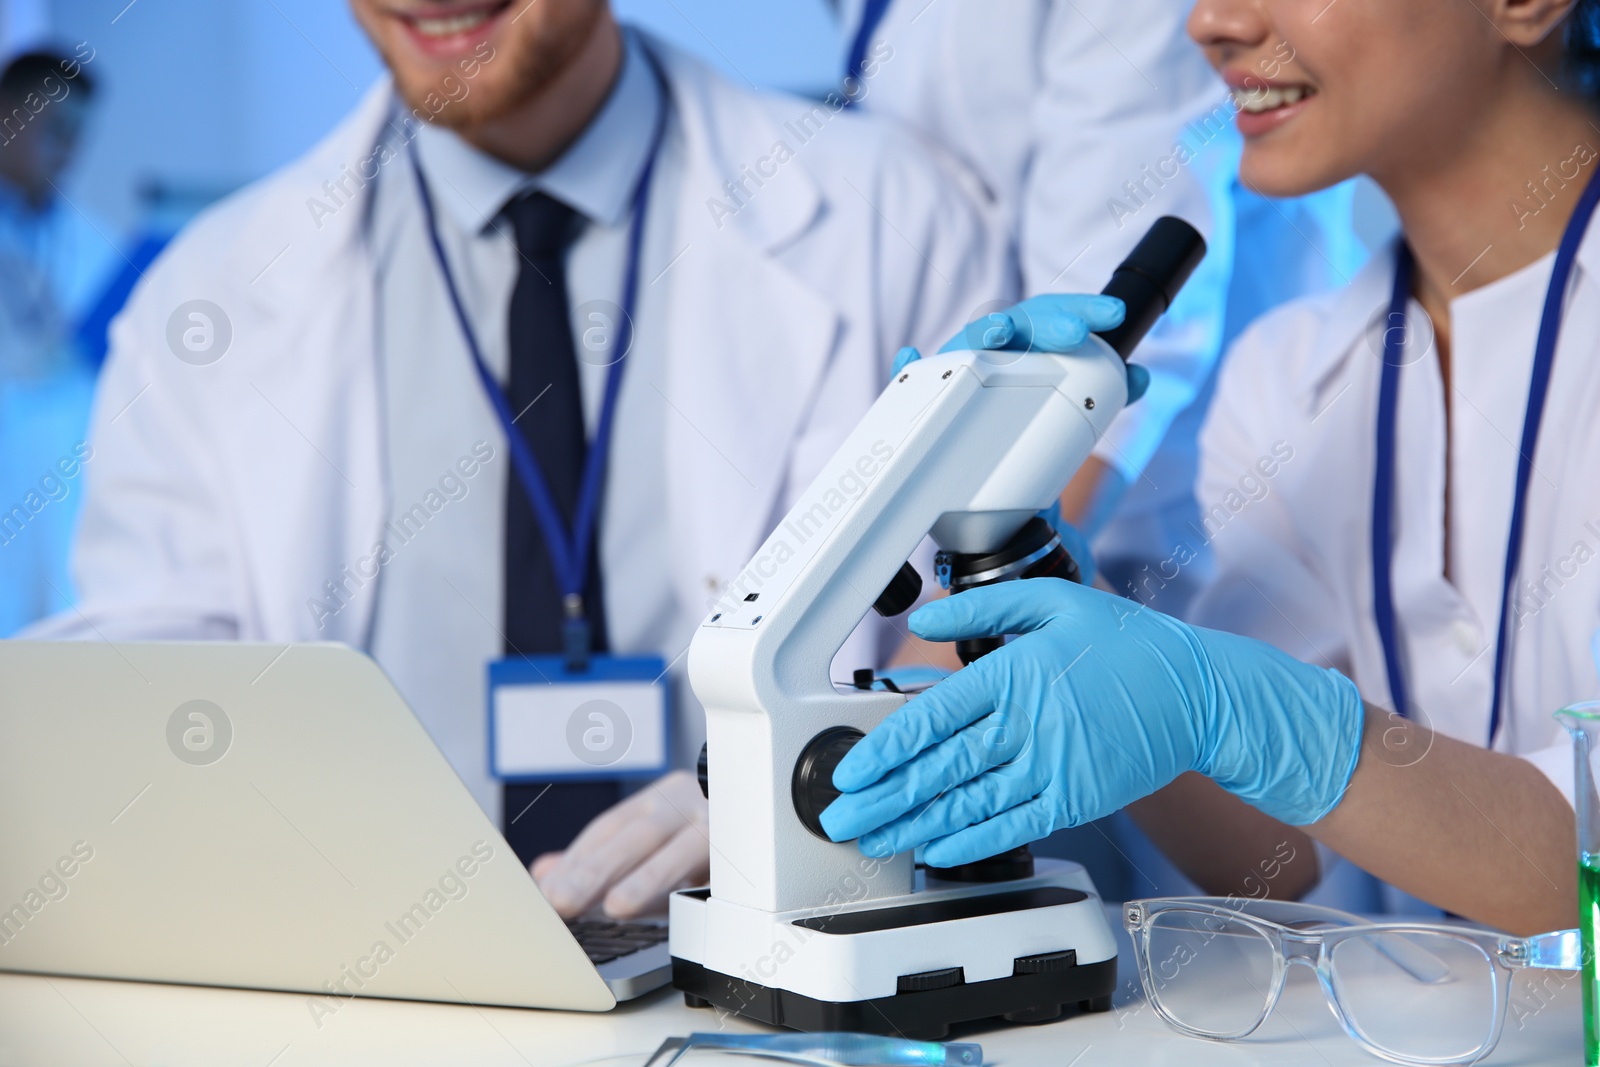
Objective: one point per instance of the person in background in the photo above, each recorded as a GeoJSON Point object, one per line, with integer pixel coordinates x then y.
{"type": "Point", "coordinates": [46, 99]}
{"type": "Point", "coordinates": [1082, 128]}
{"type": "Point", "coordinates": [312, 422]}
{"type": "Point", "coordinates": [1081, 131]}
{"type": "Point", "coordinates": [52, 261]}
{"type": "Point", "coordinates": [45, 396]}
{"type": "Point", "coordinates": [1411, 595]}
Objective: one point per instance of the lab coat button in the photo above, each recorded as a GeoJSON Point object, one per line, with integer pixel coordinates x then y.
{"type": "Point", "coordinates": [1466, 637]}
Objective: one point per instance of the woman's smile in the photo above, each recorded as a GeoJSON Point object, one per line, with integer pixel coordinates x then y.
{"type": "Point", "coordinates": [1263, 105]}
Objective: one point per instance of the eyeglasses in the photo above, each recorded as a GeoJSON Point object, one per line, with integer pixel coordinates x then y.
{"type": "Point", "coordinates": [1411, 993]}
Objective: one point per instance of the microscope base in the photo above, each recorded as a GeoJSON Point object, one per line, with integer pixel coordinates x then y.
{"type": "Point", "coordinates": [926, 1015]}
{"type": "Point", "coordinates": [1023, 951]}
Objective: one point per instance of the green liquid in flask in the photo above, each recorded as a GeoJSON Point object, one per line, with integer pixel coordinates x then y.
{"type": "Point", "coordinates": [1588, 913]}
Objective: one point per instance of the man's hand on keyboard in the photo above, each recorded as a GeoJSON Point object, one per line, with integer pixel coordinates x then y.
{"type": "Point", "coordinates": [604, 941]}
{"type": "Point", "coordinates": [633, 855]}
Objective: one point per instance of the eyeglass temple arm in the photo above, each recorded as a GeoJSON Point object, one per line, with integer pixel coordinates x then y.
{"type": "Point", "coordinates": [1561, 950]}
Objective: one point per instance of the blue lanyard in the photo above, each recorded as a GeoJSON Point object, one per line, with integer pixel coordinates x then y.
{"type": "Point", "coordinates": [1383, 483]}
{"type": "Point", "coordinates": [871, 18]}
{"type": "Point", "coordinates": [569, 552]}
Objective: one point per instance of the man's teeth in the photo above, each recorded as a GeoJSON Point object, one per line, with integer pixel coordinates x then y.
{"type": "Point", "coordinates": [1259, 98]}
{"type": "Point", "coordinates": [444, 27]}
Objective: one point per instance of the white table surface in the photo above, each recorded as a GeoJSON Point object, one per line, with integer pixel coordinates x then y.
{"type": "Point", "coordinates": [86, 1023]}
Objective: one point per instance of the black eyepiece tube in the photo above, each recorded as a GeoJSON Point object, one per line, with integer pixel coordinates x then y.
{"type": "Point", "coordinates": [1149, 279]}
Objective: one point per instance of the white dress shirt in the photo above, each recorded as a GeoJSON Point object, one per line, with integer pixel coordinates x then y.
{"type": "Point", "coordinates": [439, 607]}
{"type": "Point", "coordinates": [1288, 459]}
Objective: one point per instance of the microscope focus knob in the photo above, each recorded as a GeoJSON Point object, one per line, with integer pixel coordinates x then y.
{"type": "Point", "coordinates": [702, 771]}
{"type": "Point", "coordinates": [1008, 866]}
{"type": "Point", "coordinates": [901, 592]}
{"type": "Point", "coordinates": [812, 785]}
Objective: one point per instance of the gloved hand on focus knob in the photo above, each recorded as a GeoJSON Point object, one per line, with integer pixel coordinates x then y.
{"type": "Point", "coordinates": [1098, 702]}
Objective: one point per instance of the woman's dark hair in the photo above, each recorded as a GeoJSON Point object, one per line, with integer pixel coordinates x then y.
{"type": "Point", "coordinates": [1583, 47]}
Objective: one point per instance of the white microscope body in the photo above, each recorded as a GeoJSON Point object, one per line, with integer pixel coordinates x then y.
{"type": "Point", "coordinates": [965, 447]}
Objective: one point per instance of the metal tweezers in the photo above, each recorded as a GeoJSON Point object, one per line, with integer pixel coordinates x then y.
{"type": "Point", "coordinates": [825, 1050]}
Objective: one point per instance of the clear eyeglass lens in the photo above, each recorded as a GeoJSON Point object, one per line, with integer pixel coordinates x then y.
{"type": "Point", "coordinates": [1424, 996]}
{"type": "Point", "coordinates": [1211, 974]}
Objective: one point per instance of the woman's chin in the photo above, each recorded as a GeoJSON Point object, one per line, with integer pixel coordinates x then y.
{"type": "Point", "coordinates": [1282, 171]}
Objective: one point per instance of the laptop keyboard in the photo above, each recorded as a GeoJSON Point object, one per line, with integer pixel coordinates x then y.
{"type": "Point", "coordinates": [605, 941]}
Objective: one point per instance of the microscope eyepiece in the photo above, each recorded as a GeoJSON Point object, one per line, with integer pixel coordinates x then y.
{"type": "Point", "coordinates": [1149, 279]}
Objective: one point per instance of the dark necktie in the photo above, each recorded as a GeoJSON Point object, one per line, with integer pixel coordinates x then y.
{"type": "Point", "coordinates": [545, 394]}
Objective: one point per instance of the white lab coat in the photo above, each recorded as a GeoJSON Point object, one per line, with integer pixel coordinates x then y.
{"type": "Point", "coordinates": [1288, 459]}
{"type": "Point", "coordinates": [1073, 119]}
{"type": "Point", "coordinates": [1053, 115]}
{"type": "Point", "coordinates": [223, 497]}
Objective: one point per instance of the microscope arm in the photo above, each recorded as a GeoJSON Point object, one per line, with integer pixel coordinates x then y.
{"type": "Point", "coordinates": [965, 447]}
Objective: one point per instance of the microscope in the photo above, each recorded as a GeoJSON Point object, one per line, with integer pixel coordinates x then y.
{"type": "Point", "coordinates": [795, 930]}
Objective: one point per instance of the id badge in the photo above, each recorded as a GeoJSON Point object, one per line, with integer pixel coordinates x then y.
{"type": "Point", "coordinates": [610, 721]}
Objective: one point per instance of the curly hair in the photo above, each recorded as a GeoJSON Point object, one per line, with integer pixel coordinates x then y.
{"type": "Point", "coordinates": [1583, 47]}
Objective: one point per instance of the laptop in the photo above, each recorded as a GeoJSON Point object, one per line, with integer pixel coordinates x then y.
{"type": "Point", "coordinates": [268, 817]}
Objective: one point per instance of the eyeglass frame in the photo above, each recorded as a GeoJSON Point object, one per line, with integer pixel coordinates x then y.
{"type": "Point", "coordinates": [1557, 950]}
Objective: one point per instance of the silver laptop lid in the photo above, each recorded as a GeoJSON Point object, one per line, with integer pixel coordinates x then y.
{"type": "Point", "coordinates": [253, 815]}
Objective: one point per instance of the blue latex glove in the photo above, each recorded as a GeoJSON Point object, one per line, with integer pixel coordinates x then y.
{"type": "Point", "coordinates": [1099, 702]}
{"type": "Point", "coordinates": [1055, 322]}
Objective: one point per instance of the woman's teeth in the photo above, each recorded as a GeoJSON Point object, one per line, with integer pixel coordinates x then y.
{"type": "Point", "coordinates": [1261, 98]}
{"type": "Point", "coordinates": [446, 27]}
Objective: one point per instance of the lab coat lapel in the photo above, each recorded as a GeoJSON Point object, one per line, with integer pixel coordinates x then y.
{"type": "Point", "coordinates": [1363, 303]}
{"type": "Point", "coordinates": [749, 340]}
{"type": "Point", "coordinates": [1358, 309]}
{"type": "Point", "coordinates": [307, 446]}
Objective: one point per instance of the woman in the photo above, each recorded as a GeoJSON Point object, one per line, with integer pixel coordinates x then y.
{"type": "Point", "coordinates": [1385, 492]}
{"type": "Point", "coordinates": [1027, 91]}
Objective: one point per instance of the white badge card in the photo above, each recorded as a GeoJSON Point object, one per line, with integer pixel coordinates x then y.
{"type": "Point", "coordinates": [608, 722]}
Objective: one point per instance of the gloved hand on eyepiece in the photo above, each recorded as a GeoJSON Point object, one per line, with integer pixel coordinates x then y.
{"type": "Point", "coordinates": [1055, 322]}
{"type": "Point", "coordinates": [1098, 702]}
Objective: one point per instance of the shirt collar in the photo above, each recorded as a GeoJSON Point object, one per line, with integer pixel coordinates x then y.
{"type": "Point", "coordinates": [596, 176]}
{"type": "Point", "coordinates": [1360, 307]}
{"type": "Point", "coordinates": [1351, 311]}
